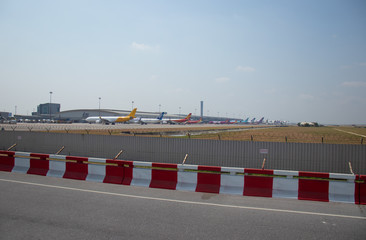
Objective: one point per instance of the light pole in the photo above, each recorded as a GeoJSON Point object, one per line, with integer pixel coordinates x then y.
{"type": "Point", "coordinates": [49, 108]}
{"type": "Point", "coordinates": [132, 105]}
{"type": "Point", "coordinates": [159, 107]}
{"type": "Point", "coordinates": [99, 106]}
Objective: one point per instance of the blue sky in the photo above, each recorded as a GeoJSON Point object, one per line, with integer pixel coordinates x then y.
{"type": "Point", "coordinates": [284, 60]}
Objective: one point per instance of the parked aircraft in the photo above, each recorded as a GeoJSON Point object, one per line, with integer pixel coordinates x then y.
{"type": "Point", "coordinates": [112, 119]}
{"type": "Point", "coordinates": [245, 121]}
{"type": "Point", "coordinates": [260, 121]}
{"type": "Point", "coordinates": [149, 120]}
{"type": "Point", "coordinates": [193, 121]}
{"type": "Point", "coordinates": [175, 121]}
{"type": "Point", "coordinates": [223, 122]}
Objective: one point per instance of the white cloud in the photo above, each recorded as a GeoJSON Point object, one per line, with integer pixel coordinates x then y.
{"type": "Point", "coordinates": [153, 77]}
{"type": "Point", "coordinates": [354, 84]}
{"type": "Point", "coordinates": [222, 79]}
{"type": "Point", "coordinates": [245, 69]}
{"type": "Point", "coordinates": [140, 46]}
{"type": "Point", "coordinates": [144, 47]}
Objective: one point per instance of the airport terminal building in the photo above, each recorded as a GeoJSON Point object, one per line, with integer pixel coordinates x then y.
{"type": "Point", "coordinates": [51, 112]}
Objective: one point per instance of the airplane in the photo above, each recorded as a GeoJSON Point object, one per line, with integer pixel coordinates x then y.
{"type": "Point", "coordinates": [252, 121]}
{"type": "Point", "coordinates": [260, 121]}
{"type": "Point", "coordinates": [175, 121]}
{"type": "Point", "coordinates": [193, 121]}
{"type": "Point", "coordinates": [246, 121]}
{"type": "Point", "coordinates": [221, 122]}
{"type": "Point", "coordinates": [112, 119]}
{"type": "Point", "coordinates": [233, 122]}
{"type": "Point", "coordinates": [149, 120]}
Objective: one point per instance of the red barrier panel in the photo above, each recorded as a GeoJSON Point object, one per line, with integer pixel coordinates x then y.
{"type": "Point", "coordinates": [6, 161]}
{"type": "Point", "coordinates": [258, 186]}
{"type": "Point", "coordinates": [313, 189]}
{"type": "Point", "coordinates": [78, 170]}
{"type": "Point", "coordinates": [118, 174]}
{"type": "Point", "coordinates": [360, 193]}
{"type": "Point", "coordinates": [208, 182]}
{"type": "Point", "coordinates": [128, 172]}
{"type": "Point", "coordinates": [39, 165]}
{"type": "Point", "coordinates": [166, 179]}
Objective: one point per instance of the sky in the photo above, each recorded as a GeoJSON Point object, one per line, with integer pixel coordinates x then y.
{"type": "Point", "coordinates": [282, 60]}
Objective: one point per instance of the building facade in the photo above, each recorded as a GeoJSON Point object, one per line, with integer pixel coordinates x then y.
{"type": "Point", "coordinates": [48, 108]}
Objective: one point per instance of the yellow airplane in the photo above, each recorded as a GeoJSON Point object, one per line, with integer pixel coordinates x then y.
{"type": "Point", "coordinates": [112, 119]}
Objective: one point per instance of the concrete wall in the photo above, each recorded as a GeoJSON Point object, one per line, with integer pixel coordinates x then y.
{"type": "Point", "coordinates": [280, 156]}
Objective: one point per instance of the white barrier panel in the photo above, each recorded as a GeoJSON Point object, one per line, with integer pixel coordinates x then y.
{"type": "Point", "coordinates": [287, 186]}
{"type": "Point", "coordinates": [141, 176]}
{"type": "Point", "coordinates": [233, 183]}
{"type": "Point", "coordinates": [21, 163]}
{"type": "Point", "coordinates": [57, 167]}
{"type": "Point", "coordinates": [96, 172]}
{"type": "Point", "coordinates": [187, 181]}
{"type": "Point", "coordinates": [340, 191]}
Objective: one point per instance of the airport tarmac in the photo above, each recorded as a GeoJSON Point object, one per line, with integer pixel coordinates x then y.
{"type": "Point", "coordinates": [86, 126]}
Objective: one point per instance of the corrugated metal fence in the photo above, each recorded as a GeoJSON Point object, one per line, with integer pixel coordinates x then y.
{"type": "Point", "coordinates": [281, 156]}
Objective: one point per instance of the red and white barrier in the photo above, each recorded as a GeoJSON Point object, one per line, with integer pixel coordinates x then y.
{"type": "Point", "coordinates": [21, 162]}
{"type": "Point", "coordinates": [232, 183]}
{"type": "Point", "coordinates": [57, 166]}
{"type": "Point", "coordinates": [187, 178]}
{"type": "Point", "coordinates": [223, 180]}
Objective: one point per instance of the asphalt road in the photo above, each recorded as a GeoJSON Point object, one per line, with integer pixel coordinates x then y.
{"type": "Point", "coordinates": [36, 207]}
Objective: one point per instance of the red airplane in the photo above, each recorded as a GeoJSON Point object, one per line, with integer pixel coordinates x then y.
{"type": "Point", "coordinates": [193, 122]}
{"type": "Point", "coordinates": [183, 120]}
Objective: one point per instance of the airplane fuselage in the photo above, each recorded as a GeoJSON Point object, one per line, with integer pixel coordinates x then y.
{"type": "Point", "coordinates": [112, 119]}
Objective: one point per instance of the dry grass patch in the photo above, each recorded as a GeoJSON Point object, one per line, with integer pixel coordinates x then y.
{"type": "Point", "coordinates": [291, 134]}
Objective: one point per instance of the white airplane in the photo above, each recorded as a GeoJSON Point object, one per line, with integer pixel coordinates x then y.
{"type": "Point", "coordinates": [149, 120]}
{"type": "Point", "coordinates": [112, 119]}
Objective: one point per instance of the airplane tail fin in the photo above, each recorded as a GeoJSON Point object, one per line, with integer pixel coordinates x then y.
{"type": "Point", "coordinates": [188, 116]}
{"type": "Point", "coordinates": [161, 115]}
{"type": "Point", "coordinates": [132, 113]}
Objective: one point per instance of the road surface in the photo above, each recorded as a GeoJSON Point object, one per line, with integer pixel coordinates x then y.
{"type": "Point", "coordinates": [37, 207]}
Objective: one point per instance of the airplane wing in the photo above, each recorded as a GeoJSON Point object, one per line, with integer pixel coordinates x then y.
{"type": "Point", "coordinates": [105, 121]}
